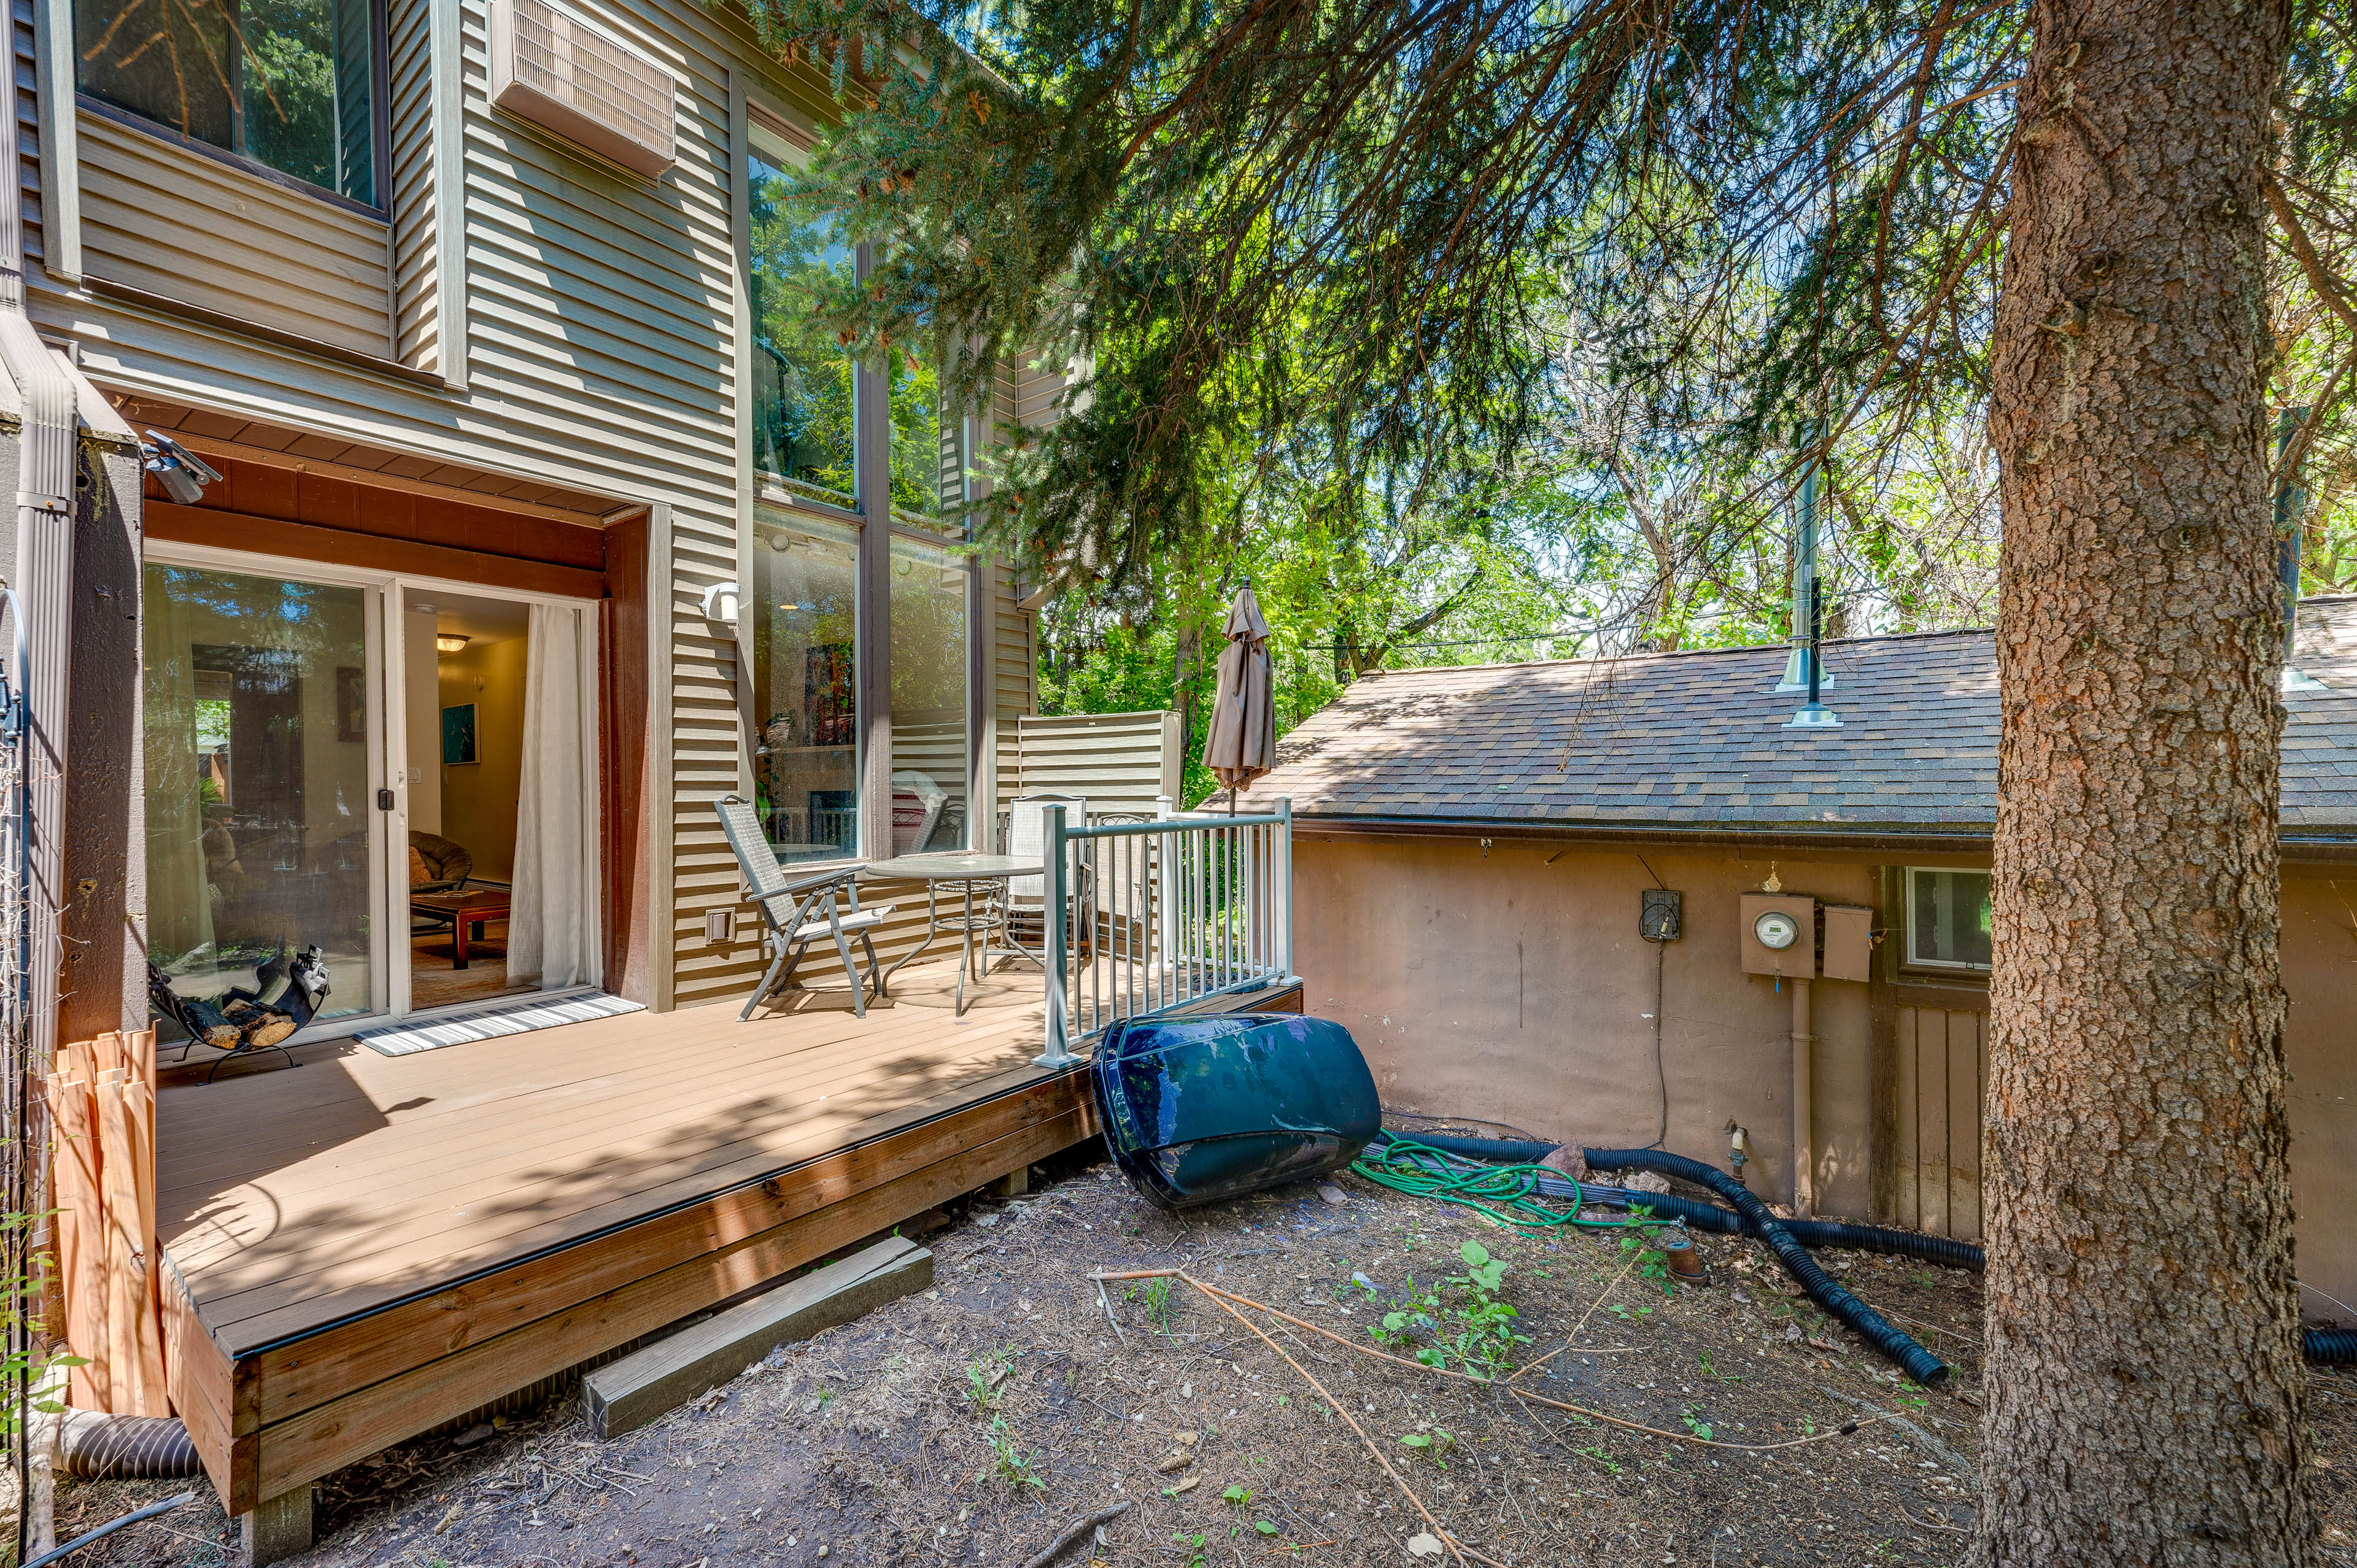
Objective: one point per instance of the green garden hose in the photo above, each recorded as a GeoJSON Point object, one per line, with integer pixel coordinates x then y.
{"type": "Point", "coordinates": [1507, 1194]}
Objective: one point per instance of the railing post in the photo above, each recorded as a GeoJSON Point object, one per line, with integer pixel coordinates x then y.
{"type": "Point", "coordinates": [1285, 884]}
{"type": "Point", "coordinates": [1054, 925]}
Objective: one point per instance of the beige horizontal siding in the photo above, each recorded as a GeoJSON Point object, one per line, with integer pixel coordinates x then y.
{"type": "Point", "coordinates": [1121, 763]}
{"type": "Point", "coordinates": [262, 253]}
{"type": "Point", "coordinates": [415, 267]}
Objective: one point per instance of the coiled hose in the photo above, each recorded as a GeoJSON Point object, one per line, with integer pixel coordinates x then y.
{"type": "Point", "coordinates": [2328, 1346]}
{"type": "Point", "coordinates": [124, 1447]}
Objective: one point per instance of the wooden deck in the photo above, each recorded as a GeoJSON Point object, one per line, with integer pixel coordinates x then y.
{"type": "Point", "coordinates": [363, 1248]}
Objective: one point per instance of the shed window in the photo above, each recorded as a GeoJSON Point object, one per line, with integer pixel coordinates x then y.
{"type": "Point", "coordinates": [289, 84]}
{"type": "Point", "coordinates": [1948, 919]}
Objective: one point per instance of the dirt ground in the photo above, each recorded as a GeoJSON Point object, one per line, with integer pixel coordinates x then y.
{"type": "Point", "coordinates": [975, 1422]}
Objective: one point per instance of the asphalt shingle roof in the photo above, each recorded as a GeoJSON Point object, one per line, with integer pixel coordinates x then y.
{"type": "Point", "coordinates": [1696, 740]}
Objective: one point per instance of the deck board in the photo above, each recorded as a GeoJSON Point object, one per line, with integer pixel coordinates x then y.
{"type": "Point", "coordinates": [366, 1246]}
{"type": "Point", "coordinates": [386, 1174]}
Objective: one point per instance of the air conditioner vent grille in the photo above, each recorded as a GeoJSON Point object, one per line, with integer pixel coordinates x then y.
{"type": "Point", "coordinates": [566, 76]}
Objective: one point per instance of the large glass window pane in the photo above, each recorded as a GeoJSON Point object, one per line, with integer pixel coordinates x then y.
{"type": "Point", "coordinates": [258, 809]}
{"type": "Point", "coordinates": [1948, 924]}
{"type": "Point", "coordinates": [929, 731]}
{"type": "Point", "coordinates": [923, 463]}
{"type": "Point", "coordinates": [802, 376]}
{"type": "Point", "coordinates": [289, 83]}
{"type": "Point", "coordinates": [805, 692]}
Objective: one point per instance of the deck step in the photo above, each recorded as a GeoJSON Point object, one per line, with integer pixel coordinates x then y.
{"type": "Point", "coordinates": [631, 1392]}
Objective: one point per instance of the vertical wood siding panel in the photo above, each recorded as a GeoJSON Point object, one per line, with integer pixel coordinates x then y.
{"type": "Point", "coordinates": [1907, 1162]}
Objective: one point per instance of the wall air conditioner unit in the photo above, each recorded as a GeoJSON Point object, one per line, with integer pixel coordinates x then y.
{"type": "Point", "coordinates": [565, 76]}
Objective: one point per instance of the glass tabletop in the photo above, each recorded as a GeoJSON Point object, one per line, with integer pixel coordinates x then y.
{"type": "Point", "coordinates": [955, 867]}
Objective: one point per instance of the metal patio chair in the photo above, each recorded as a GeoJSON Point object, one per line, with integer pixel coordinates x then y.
{"type": "Point", "coordinates": [799, 909]}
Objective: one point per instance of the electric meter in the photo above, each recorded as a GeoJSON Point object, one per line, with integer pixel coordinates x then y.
{"type": "Point", "coordinates": [1776, 931]}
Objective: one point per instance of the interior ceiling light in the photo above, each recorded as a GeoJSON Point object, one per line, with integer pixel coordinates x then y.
{"type": "Point", "coordinates": [449, 642]}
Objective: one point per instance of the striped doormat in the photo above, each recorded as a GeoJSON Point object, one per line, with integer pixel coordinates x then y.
{"type": "Point", "coordinates": [513, 1016]}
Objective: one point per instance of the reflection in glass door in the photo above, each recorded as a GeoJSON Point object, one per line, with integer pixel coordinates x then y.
{"type": "Point", "coordinates": [263, 739]}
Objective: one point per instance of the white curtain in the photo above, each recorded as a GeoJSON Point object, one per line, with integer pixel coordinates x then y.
{"type": "Point", "coordinates": [554, 926]}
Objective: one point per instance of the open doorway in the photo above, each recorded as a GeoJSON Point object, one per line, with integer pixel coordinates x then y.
{"type": "Point", "coordinates": [467, 659]}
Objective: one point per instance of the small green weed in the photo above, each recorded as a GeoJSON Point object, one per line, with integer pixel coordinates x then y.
{"type": "Point", "coordinates": [1191, 1550]}
{"type": "Point", "coordinates": [1692, 1416]}
{"type": "Point", "coordinates": [1464, 1324]}
{"type": "Point", "coordinates": [1723, 1377]}
{"type": "Point", "coordinates": [984, 1376]}
{"type": "Point", "coordinates": [1432, 1443]}
{"type": "Point", "coordinates": [1154, 1295]}
{"type": "Point", "coordinates": [1238, 1496]}
{"type": "Point", "coordinates": [1008, 1462]}
{"type": "Point", "coordinates": [1596, 1450]}
{"type": "Point", "coordinates": [1653, 1263]}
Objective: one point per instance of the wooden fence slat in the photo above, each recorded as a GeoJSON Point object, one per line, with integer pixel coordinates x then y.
{"type": "Point", "coordinates": [139, 1109]}
{"type": "Point", "coordinates": [88, 1385]}
{"type": "Point", "coordinates": [119, 1208]}
{"type": "Point", "coordinates": [1909, 1196]}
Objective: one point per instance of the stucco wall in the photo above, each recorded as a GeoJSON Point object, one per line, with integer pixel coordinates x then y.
{"type": "Point", "coordinates": [1511, 985]}
{"type": "Point", "coordinates": [1514, 987]}
{"type": "Point", "coordinates": [2319, 959]}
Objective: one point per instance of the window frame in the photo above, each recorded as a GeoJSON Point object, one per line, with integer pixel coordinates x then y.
{"type": "Point", "coordinates": [1908, 961]}
{"type": "Point", "coordinates": [379, 128]}
{"type": "Point", "coordinates": [874, 518]}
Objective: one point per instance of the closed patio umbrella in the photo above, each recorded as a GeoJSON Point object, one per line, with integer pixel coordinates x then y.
{"type": "Point", "coordinates": [1242, 745]}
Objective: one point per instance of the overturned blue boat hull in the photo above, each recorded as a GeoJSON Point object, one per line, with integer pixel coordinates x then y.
{"type": "Point", "coordinates": [1197, 1109]}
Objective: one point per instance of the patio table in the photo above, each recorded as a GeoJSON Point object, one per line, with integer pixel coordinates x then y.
{"type": "Point", "coordinates": [963, 872]}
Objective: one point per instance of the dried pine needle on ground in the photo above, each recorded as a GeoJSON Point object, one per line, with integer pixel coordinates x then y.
{"type": "Point", "coordinates": [975, 1423]}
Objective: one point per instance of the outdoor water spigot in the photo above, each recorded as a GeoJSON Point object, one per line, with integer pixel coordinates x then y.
{"type": "Point", "coordinates": [1739, 1148]}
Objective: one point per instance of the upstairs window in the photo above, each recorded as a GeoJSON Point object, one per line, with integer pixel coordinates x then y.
{"type": "Point", "coordinates": [803, 418]}
{"type": "Point", "coordinates": [1948, 920]}
{"type": "Point", "coordinates": [288, 84]}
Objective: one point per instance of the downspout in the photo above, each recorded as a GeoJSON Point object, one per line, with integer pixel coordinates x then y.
{"type": "Point", "coordinates": [1805, 1050]}
{"type": "Point", "coordinates": [44, 590]}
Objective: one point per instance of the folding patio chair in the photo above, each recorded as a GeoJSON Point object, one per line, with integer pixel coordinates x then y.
{"type": "Point", "coordinates": [797, 910]}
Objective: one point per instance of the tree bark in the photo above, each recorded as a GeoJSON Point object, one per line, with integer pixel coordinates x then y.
{"type": "Point", "coordinates": [2143, 1368]}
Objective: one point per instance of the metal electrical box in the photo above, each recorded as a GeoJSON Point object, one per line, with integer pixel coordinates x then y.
{"type": "Point", "coordinates": [1660, 915]}
{"type": "Point", "coordinates": [1849, 942]}
{"type": "Point", "coordinates": [1769, 919]}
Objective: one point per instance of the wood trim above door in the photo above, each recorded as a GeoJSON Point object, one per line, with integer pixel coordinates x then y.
{"type": "Point", "coordinates": [308, 541]}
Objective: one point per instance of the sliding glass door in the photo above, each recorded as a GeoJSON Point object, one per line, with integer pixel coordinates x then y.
{"type": "Point", "coordinates": [264, 746]}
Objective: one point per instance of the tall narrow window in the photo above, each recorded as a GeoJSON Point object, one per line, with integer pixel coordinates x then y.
{"type": "Point", "coordinates": [923, 458]}
{"type": "Point", "coordinates": [929, 728]}
{"type": "Point", "coordinates": [803, 437]}
{"type": "Point", "coordinates": [805, 758]}
{"type": "Point", "coordinates": [290, 84]}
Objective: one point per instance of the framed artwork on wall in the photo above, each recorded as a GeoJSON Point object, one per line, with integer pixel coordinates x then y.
{"type": "Point", "coordinates": [458, 741]}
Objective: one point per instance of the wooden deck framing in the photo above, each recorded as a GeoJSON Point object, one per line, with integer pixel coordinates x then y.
{"type": "Point", "coordinates": [364, 1248]}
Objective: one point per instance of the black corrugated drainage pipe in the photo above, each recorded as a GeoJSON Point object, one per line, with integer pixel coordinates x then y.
{"type": "Point", "coordinates": [2335, 1347]}
{"type": "Point", "coordinates": [124, 1447]}
{"type": "Point", "coordinates": [1921, 1364]}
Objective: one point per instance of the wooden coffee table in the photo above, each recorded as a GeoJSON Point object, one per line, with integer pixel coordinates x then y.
{"type": "Point", "coordinates": [463, 910]}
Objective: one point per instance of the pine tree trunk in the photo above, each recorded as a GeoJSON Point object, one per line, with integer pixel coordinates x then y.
{"type": "Point", "coordinates": [2144, 1374]}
